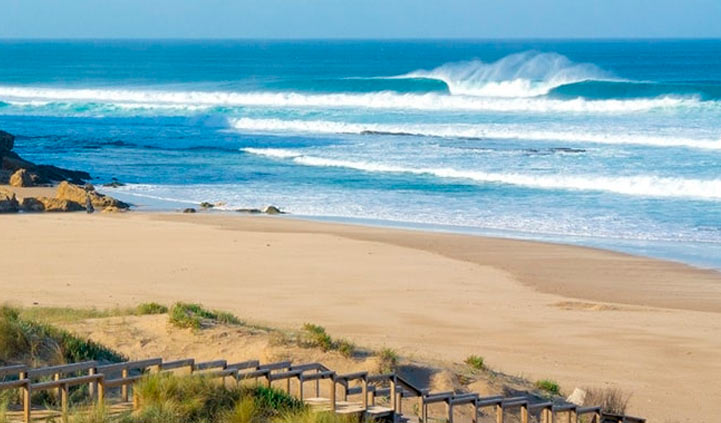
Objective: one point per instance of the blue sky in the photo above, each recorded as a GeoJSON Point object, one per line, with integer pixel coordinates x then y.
{"type": "Point", "coordinates": [359, 18]}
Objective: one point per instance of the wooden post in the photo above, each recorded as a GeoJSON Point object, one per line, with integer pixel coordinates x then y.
{"type": "Point", "coordinates": [345, 391]}
{"type": "Point", "coordinates": [373, 397]}
{"type": "Point", "coordinates": [300, 387]}
{"type": "Point", "coordinates": [499, 413]}
{"type": "Point", "coordinates": [124, 387]}
{"type": "Point", "coordinates": [399, 403]}
{"type": "Point", "coordinates": [332, 393]}
{"type": "Point", "coordinates": [393, 393]}
{"type": "Point", "coordinates": [26, 402]}
{"type": "Point", "coordinates": [524, 413]}
{"type": "Point", "coordinates": [424, 412]}
{"type": "Point", "coordinates": [64, 398]}
{"type": "Point", "coordinates": [317, 385]}
{"type": "Point", "coordinates": [56, 377]}
{"type": "Point", "coordinates": [101, 389]}
{"type": "Point", "coordinates": [597, 417]}
{"type": "Point", "coordinates": [287, 386]}
{"type": "Point", "coordinates": [364, 392]}
{"type": "Point", "coordinates": [92, 385]}
{"type": "Point", "coordinates": [420, 407]}
{"type": "Point", "coordinates": [475, 411]}
{"type": "Point", "coordinates": [572, 417]}
{"type": "Point", "coordinates": [449, 409]}
{"type": "Point", "coordinates": [268, 382]}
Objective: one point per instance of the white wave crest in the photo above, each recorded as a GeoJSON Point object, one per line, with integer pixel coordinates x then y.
{"type": "Point", "coordinates": [376, 100]}
{"type": "Point", "coordinates": [503, 132]}
{"type": "Point", "coordinates": [527, 74]}
{"type": "Point", "coordinates": [641, 185]}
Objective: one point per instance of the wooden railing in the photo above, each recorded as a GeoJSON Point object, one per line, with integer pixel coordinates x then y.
{"type": "Point", "coordinates": [102, 377]}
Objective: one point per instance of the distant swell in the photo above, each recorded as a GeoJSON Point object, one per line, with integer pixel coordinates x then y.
{"type": "Point", "coordinates": [642, 185]}
{"type": "Point", "coordinates": [196, 100]}
{"type": "Point", "coordinates": [510, 132]}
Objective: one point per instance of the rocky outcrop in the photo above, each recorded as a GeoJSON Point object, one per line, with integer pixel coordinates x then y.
{"type": "Point", "coordinates": [80, 195]}
{"type": "Point", "coordinates": [8, 202]}
{"type": "Point", "coordinates": [45, 174]}
{"type": "Point", "coordinates": [23, 178]}
{"type": "Point", "coordinates": [59, 205]}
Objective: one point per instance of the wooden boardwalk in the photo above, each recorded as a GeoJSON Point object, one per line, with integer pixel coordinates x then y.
{"type": "Point", "coordinates": [371, 397]}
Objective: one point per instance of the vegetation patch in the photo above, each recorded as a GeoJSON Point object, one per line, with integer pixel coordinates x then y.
{"type": "Point", "coordinates": [475, 362]}
{"type": "Point", "coordinates": [314, 336]}
{"type": "Point", "coordinates": [611, 400]}
{"type": "Point", "coordinates": [387, 360]}
{"type": "Point", "coordinates": [194, 316]}
{"type": "Point", "coordinates": [166, 398]}
{"type": "Point", "coordinates": [150, 308]}
{"type": "Point", "coordinates": [548, 386]}
{"type": "Point", "coordinates": [36, 343]}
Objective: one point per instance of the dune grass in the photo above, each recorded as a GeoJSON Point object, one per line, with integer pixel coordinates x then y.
{"type": "Point", "coordinates": [168, 398]}
{"type": "Point", "coordinates": [70, 314]}
{"type": "Point", "coordinates": [33, 342]}
{"type": "Point", "coordinates": [194, 316]}
{"type": "Point", "coordinates": [475, 362]}
{"type": "Point", "coordinates": [548, 386]}
{"type": "Point", "coordinates": [315, 336]}
{"type": "Point", "coordinates": [387, 360]}
{"type": "Point", "coordinates": [611, 400]}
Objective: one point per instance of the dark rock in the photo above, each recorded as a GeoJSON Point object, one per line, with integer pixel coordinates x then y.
{"type": "Point", "coordinates": [7, 142]}
{"type": "Point", "coordinates": [250, 211]}
{"type": "Point", "coordinates": [114, 184]}
{"type": "Point", "coordinates": [8, 202]}
{"type": "Point", "coordinates": [272, 210]}
{"type": "Point", "coordinates": [189, 210]}
{"type": "Point", "coordinates": [207, 205]}
{"type": "Point", "coordinates": [32, 205]}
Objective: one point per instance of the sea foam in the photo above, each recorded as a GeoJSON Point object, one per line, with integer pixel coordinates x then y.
{"type": "Point", "coordinates": [479, 131]}
{"type": "Point", "coordinates": [640, 185]}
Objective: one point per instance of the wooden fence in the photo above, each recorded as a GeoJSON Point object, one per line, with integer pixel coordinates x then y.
{"type": "Point", "coordinates": [101, 377]}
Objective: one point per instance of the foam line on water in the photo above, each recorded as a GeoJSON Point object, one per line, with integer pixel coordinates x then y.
{"type": "Point", "coordinates": [374, 100]}
{"type": "Point", "coordinates": [504, 132]}
{"type": "Point", "coordinates": [640, 185]}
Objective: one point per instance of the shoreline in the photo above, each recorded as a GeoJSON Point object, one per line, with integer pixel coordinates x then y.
{"type": "Point", "coordinates": [651, 249]}
{"type": "Point", "coordinates": [428, 295]}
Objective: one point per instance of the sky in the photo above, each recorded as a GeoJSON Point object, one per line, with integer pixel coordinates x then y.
{"type": "Point", "coordinates": [360, 18]}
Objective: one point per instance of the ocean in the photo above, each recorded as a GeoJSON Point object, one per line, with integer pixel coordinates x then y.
{"type": "Point", "coordinates": [611, 144]}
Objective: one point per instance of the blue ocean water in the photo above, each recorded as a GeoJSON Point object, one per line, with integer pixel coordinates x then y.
{"type": "Point", "coordinates": [615, 144]}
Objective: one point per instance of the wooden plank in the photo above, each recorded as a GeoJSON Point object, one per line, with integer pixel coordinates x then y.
{"type": "Point", "coordinates": [210, 365]}
{"type": "Point", "coordinates": [62, 369]}
{"type": "Point", "coordinates": [13, 370]}
{"type": "Point", "coordinates": [14, 384]}
{"type": "Point", "coordinates": [251, 364]}
{"type": "Point", "coordinates": [275, 366]}
{"type": "Point", "coordinates": [176, 364]}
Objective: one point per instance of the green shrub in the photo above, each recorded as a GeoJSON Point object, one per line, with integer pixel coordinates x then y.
{"type": "Point", "coordinates": [150, 308]}
{"type": "Point", "coordinates": [346, 348]}
{"type": "Point", "coordinates": [185, 315]}
{"type": "Point", "coordinates": [387, 360]}
{"type": "Point", "coordinates": [548, 386]}
{"type": "Point", "coordinates": [316, 336]}
{"type": "Point", "coordinates": [33, 342]}
{"type": "Point", "coordinates": [167, 398]}
{"type": "Point", "coordinates": [475, 362]}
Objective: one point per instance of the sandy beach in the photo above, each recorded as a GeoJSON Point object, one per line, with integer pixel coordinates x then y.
{"type": "Point", "coordinates": [581, 316]}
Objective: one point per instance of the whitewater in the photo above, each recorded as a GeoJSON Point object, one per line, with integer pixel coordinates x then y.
{"type": "Point", "coordinates": [607, 144]}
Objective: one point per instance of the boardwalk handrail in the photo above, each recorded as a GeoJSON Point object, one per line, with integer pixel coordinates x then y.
{"type": "Point", "coordinates": [396, 388]}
